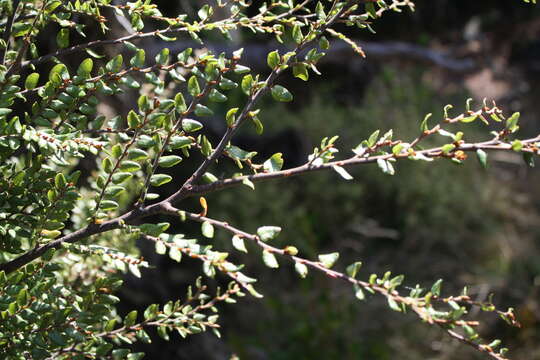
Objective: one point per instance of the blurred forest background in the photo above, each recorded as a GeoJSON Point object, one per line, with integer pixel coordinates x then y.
{"type": "Point", "coordinates": [464, 224]}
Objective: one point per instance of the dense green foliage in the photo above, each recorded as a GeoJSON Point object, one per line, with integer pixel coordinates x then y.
{"type": "Point", "coordinates": [76, 185]}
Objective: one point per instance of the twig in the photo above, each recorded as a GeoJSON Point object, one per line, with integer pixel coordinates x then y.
{"type": "Point", "coordinates": [7, 31]}
{"type": "Point", "coordinates": [309, 167]}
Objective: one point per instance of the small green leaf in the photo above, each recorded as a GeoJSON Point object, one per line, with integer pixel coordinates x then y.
{"type": "Point", "coordinates": [373, 138]}
{"type": "Point", "coordinates": [241, 69]}
{"type": "Point", "coordinates": [323, 43]}
{"type": "Point", "coordinates": [180, 103]}
{"type": "Point", "coordinates": [275, 163]}
{"type": "Point", "coordinates": [133, 119]}
{"type": "Point", "coordinates": [301, 269]}
{"type": "Point", "coordinates": [358, 292]}
{"type": "Point", "coordinates": [469, 119]}
{"type": "Point", "coordinates": [120, 177]}
{"type": "Point", "coordinates": [108, 205]}
{"type": "Point", "coordinates": [482, 157]}
{"type": "Point", "coordinates": [205, 12]}
{"type": "Point", "coordinates": [297, 34]}
{"type": "Point", "coordinates": [180, 142]}
{"type": "Point", "coordinates": [247, 83]}
{"type": "Point", "coordinates": [162, 332]}
{"type": "Point", "coordinates": [169, 160]}
{"type": "Point", "coordinates": [143, 103]}
{"type": "Point", "coordinates": [85, 68]}
{"type": "Point", "coordinates": [115, 64]}
{"type": "Point", "coordinates": [160, 179]}
{"type": "Point", "coordinates": [230, 116]}
{"type": "Point", "coordinates": [12, 308]}
{"type": "Point", "coordinates": [190, 125]}
{"type": "Point", "coordinates": [495, 117]}
{"type": "Point", "coordinates": [163, 57]}
{"type": "Point", "coordinates": [436, 288]}
{"type": "Point", "coordinates": [116, 150]}
{"type": "Point", "coordinates": [60, 181]}
{"type": "Point", "coordinates": [207, 229]}
{"type": "Point", "coordinates": [129, 166]}
{"type": "Point", "coordinates": [151, 312]}
{"type": "Point", "coordinates": [114, 190]}
{"type": "Point", "coordinates": [161, 248]}
{"type": "Point", "coordinates": [201, 110]}
{"type": "Point", "coordinates": [393, 304]}
{"type": "Point", "coordinates": [273, 59]}
{"type": "Point", "coordinates": [342, 172]}
{"type": "Point", "coordinates": [31, 81]}
{"type": "Point", "coordinates": [280, 93]}
{"type": "Point", "coordinates": [227, 84]}
{"type": "Point", "coordinates": [52, 5]}
{"type": "Point", "coordinates": [94, 54]}
{"type": "Point", "coordinates": [59, 70]}
{"type": "Point", "coordinates": [206, 146]}
{"type": "Point", "coordinates": [270, 260]}
{"type": "Point", "coordinates": [370, 9]}
{"type": "Point", "coordinates": [143, 337]}
{"type": "Point", "coordinates": [184, 55]}
{"type": "Point", "coordinates": [209, 178]}
{"type": "Point", "coordinates": [107, 165]}
{"type": "Point", "coordinates": [267, 233]}
{"type": "Point", "coordinates": [238, 243]}
{"type": "Point", "coordinates": [300, 71]}
{"type": "Point", "coordinates": [62, 38]}
{"type": "Point", "coordinates": [447, 148]}
{"type": "Point", "coordinates": [253, 292]}
{"type": "Point", "coordinates": [512, 121]}
{"type": "Point", "coordinates": [138, 60]}
{"type": "Point", "coordinates": [396, 149]}
{"type": "Point", "coordinates": [137, 154]}
{"type": "Point", "coordinates": [216, 96]}
{"type": "Point", "coordinates": [5, 111]}
{"type": "Point", "coordinates": [175, 254]}
{"type": "Point", "coordinates": [130, 318]}
{"type": "Point", "coordinates": [248, 183]}
{"type": "Point", "coordinates": [528, 158]}
{"type": "Point", "coordinates": [22, 297]}
{"type": "Point", "coordinates": [517, 145]}
{"type": "Point", "coordinates": [424, 124]}
{"type": "Point", "coordinates": [50, 234]}
{"type": "Point", "coordinates": [259, 128]}
{"type": "Point", "coordinates": [193, 86]}
{"type": "Point", "coordinates": [352, 269]}
{"type": "Point", "coordinates": [328, 260]}
{"type": "Point", "coordinates": [386, 166]}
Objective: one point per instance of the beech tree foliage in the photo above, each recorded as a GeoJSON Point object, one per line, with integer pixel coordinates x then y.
{"type": "Point", "coordinates": [67, 232]}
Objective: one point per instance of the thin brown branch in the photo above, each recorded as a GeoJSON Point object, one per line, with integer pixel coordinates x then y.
{"type": "Point", "coordinates": [309, 167]}
{"type": "Point", "coordinates": [482, 348]}
{"type": "Point", "coordinates": [7, 31]}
